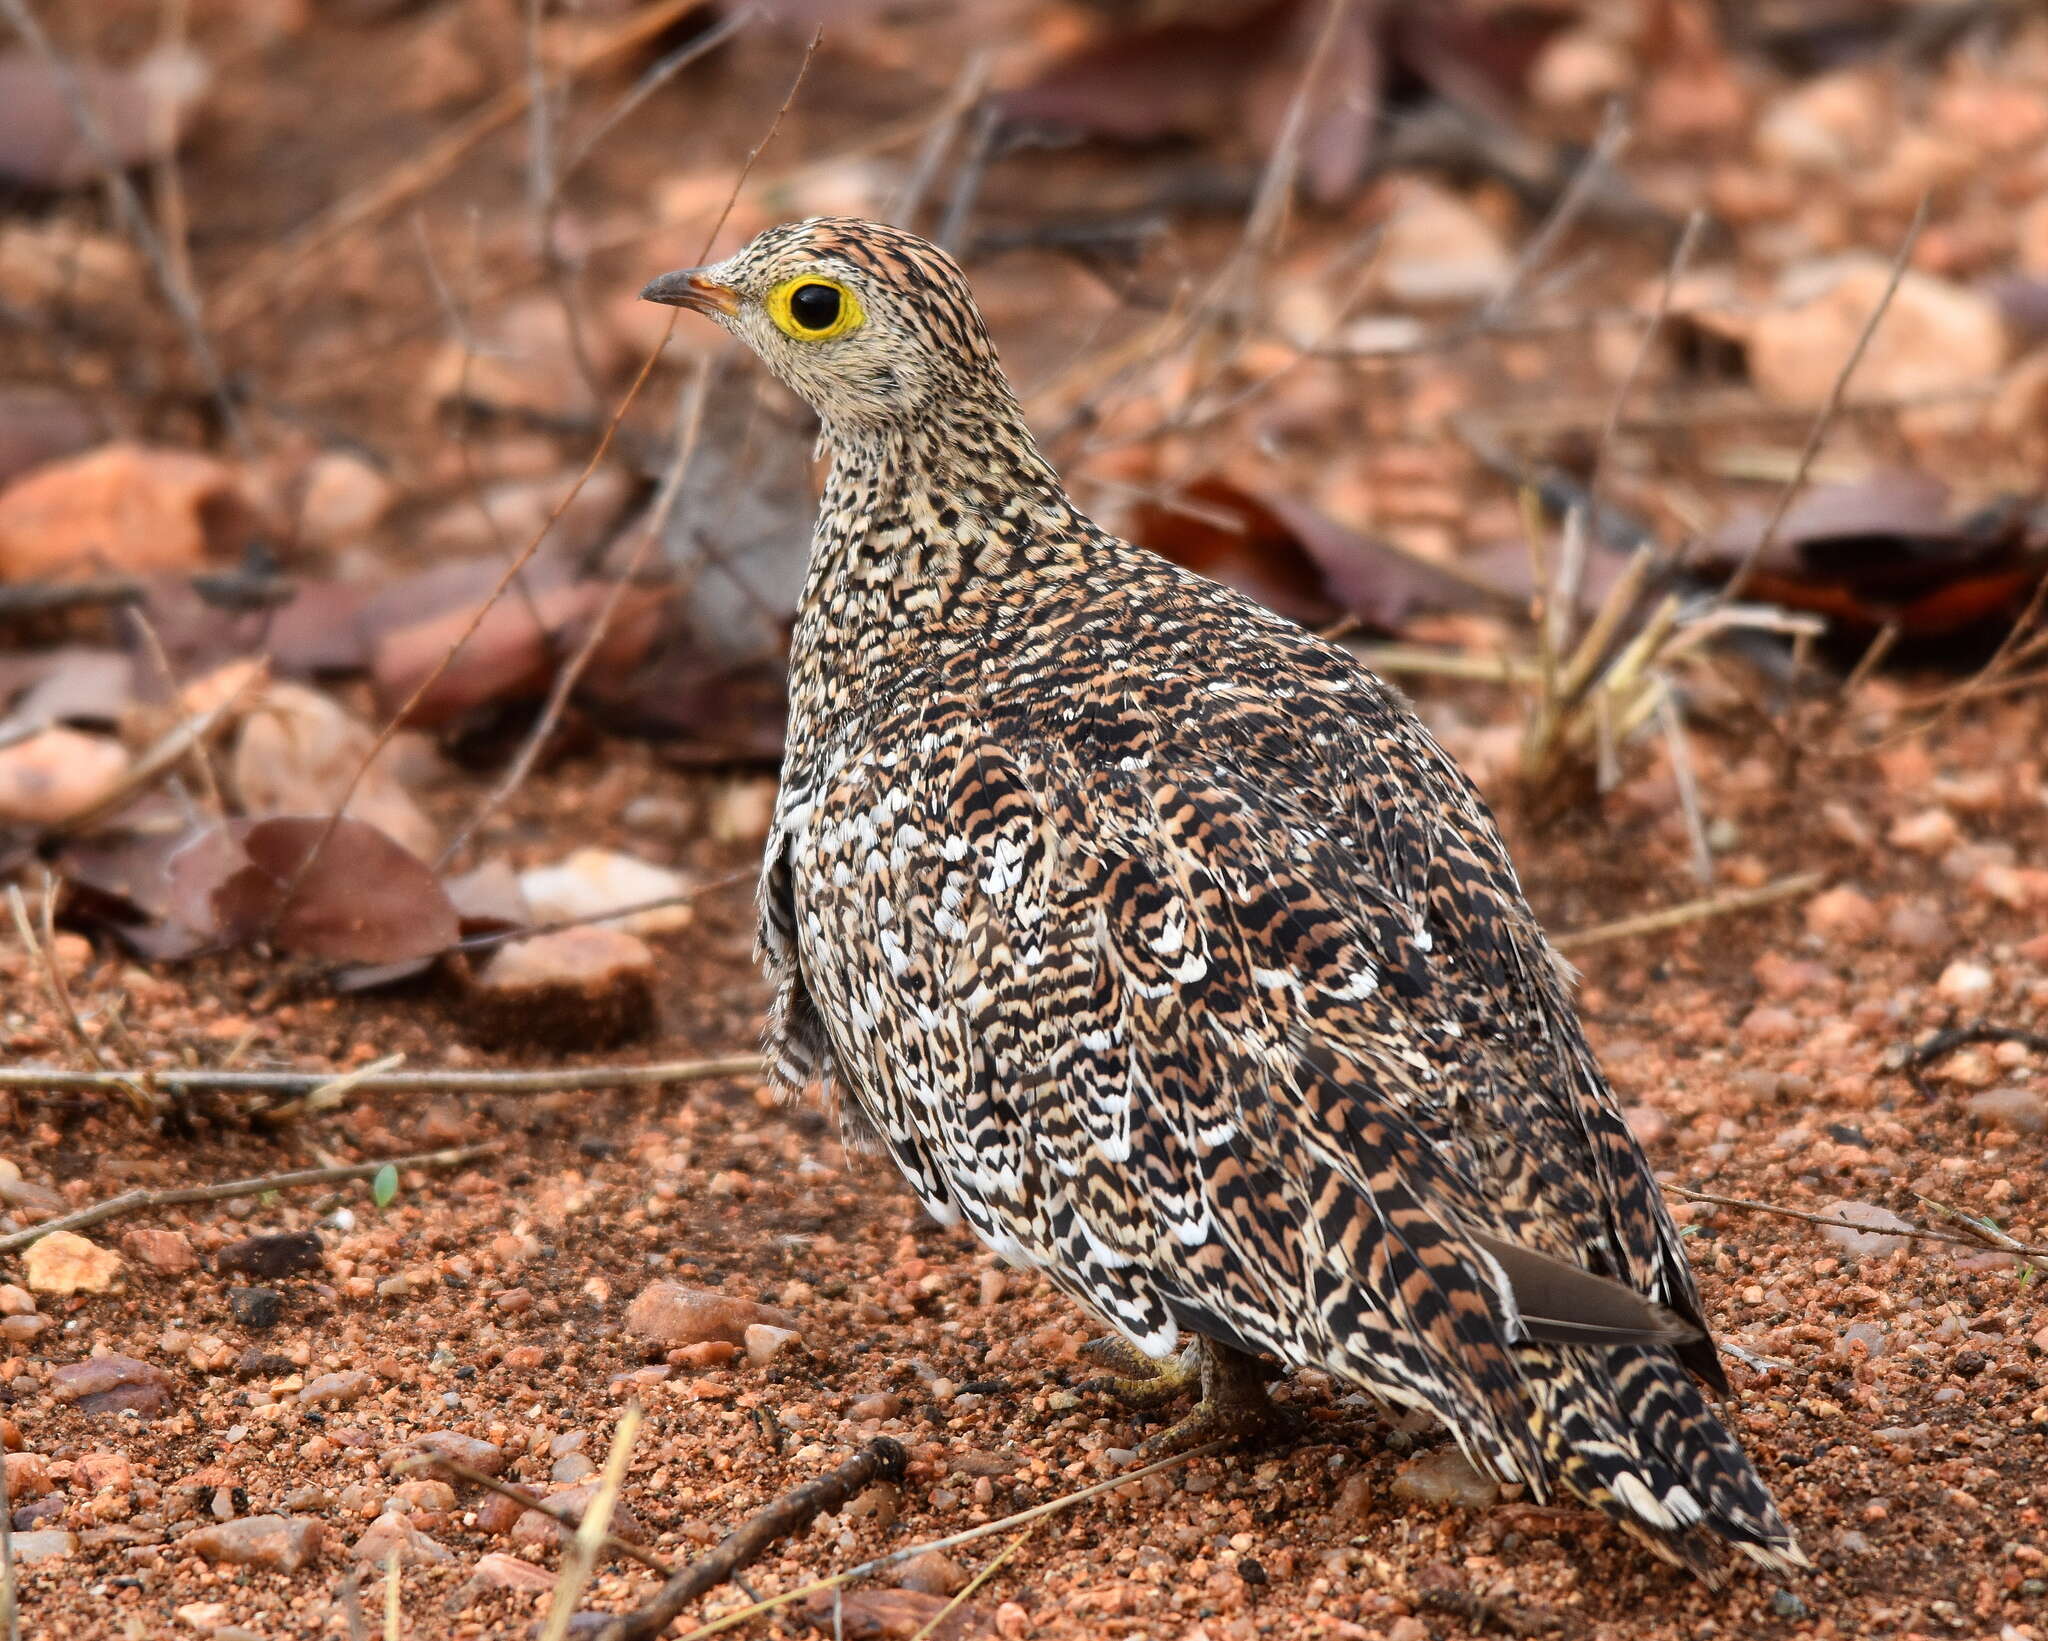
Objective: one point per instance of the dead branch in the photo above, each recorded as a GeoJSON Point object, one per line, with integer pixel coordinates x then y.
{"type": "Point", "coordinates": [881, 1460]}
{"type": "Point", "coordinates": [1689, 911]}
{"type": "Point", "coordinates": [503, 937]}
{"type": "Point", "coordinates": [567, 675]}
{"type": "Point", "coordinates": [1941, 1044]}
{"type": "Point", "coordinates": [299, 1084]}
{"type": "Point", "coordinates": [141, 1198]}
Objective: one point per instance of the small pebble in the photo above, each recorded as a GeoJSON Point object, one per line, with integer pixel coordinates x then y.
{"type": "Point", "coordinates": [256, 1308]}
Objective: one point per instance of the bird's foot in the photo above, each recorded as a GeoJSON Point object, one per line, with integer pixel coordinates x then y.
{"type": "Point", "coordinates": [1234, 1405]}
{"type": "Point", "coordinates": [1137, 1380]}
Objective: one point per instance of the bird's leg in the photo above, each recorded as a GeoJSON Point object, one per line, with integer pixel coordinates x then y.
{"type": "Point", "coordinates": [1234, 1404]}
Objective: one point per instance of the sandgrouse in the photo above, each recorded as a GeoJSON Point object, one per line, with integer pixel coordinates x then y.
{"type": "Point", "coordinates": [1154, 938]}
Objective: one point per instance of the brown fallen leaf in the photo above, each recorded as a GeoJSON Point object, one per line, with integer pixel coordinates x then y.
{"type": "Point", "coordinates": [1935, 337]}
{"type": "Point", "coordinates": [1890, 550]}
{"type": "Point", "coordinates": [1291, 557]}
{"type": "Point", "coordinates": [364, 898]}
{"type": "Point", "coordinates": [58, 773]}
{"type": "Point", "coordinates": [38, 425]}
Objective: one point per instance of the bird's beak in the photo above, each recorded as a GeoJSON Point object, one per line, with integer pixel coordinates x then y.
{"type": "Point", "coordinates": [689, 288]}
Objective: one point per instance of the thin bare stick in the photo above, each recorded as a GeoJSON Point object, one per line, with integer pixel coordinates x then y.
{"type": "Point", "coordinates": [1731, 590]}
{"type": "Point", "coordinates": [881, 1460]}
{"type": "Point", "coordinates": [128, 210]}
{"type": "Point", "coordinates": [429, 1459]}
{"type": "Point", "coordinates": [43, 953]}
{"type": "Point", "coordinates": [2030, 1255]}
{"type": "Point", "coordinates": [568, 674]}
{"type": "Point", "coordinates": [129, 1202]}
{"type": "Point", "coordinates": [502, 937]}
{"type": "Point", "coordinates": [465, 450]}
{"type": "Point", "coordinates": [650, 82]}
{"type": "Point", "coordinates": [1689, 911]}
{"type": "Point", "coordinates": [264, 280]}
{"type": "Point", "coordinates": [995, 1562]}
{"type": "Point", "coordinates": [908, 200]}
{"type": "Point", "coordinates": [399, 718]}
{"type": "Point", "coordinates": [1681, 258]}
{"type": "Point", "coordinates": [1578, 193]}
{"type": "Point", "coordinates": [169, 749]}
{"type": "Point", "coordinates": [427, 1080]}
{"type": "Point", "coordinates": [581, 1561]}
{"type": "Point", "coordinates": [1020, 1518]}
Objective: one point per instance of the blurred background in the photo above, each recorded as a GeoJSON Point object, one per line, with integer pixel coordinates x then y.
{"type": "Point", "coordinates": [1509, 340]}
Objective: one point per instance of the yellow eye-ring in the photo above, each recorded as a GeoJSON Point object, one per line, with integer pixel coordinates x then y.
{"type": "Point", "coordinates": [813, 309]}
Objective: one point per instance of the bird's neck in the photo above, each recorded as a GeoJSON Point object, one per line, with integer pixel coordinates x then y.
{"type": "Point", "coordinates": [918, 525]}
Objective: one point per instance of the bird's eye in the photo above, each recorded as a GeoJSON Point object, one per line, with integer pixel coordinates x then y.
{"type": "Point", "coordinates": [813, 309]}
{"type": "Point", "coordinates": [814, 306]}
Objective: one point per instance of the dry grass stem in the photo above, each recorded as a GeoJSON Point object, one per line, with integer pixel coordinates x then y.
{"type": "Point", "coordinates": [128, 211]}
{"type": "Point", "coordinates": [568, 674]}
{"type": "Point", "coordinates": [129, 1202]}
{"type": "Point", "coordinates": [581, 1561]}
{"type": "Point", "coordinates": [566, 1080]}
{"type": "Point", "coordinates": [2029, 1256]}
{"type": "Point", "coordinates": [1688, 912]}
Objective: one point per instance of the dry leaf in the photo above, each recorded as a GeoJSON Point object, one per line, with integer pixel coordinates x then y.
{"type": "Point", "coordinates": [364, 899]}
{"type": "Point", "coordinates": [1935, 337]}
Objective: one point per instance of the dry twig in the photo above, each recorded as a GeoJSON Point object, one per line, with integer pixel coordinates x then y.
{"type": "Point", "coordinates": [129, 1202]}
{"type": "Point", "coordinates": [1943, 1043]}
{"type": "Point", "coordinates": [882, 1459]}
{"type": "Point", "coordinates": [1767, 538]}
{"type": "Point", "coordinates": [129, 211]}
{"type": "Point", "coordinates": [1019, 1518]}
{"type": "Point", "coordinates": [265, 277]}
{"type": "Point", "coordinates": [430, 1459]}
{"type": "Point", "coordinates": [1689, 911]}
{"type": "Point", "coordinates": [2030, 1255]}
{"type": "Point", "coordinates": [298, 1084]}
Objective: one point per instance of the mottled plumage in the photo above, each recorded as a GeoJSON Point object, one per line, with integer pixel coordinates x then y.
{"type": "Point", "coordinates": [1156, 940]}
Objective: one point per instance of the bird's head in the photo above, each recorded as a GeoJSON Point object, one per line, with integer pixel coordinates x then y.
{"type": "Point", "coordinates": [873, 326]}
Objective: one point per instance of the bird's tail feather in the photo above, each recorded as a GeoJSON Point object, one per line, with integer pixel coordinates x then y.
{"type": "Point", "coordinates": [1628, 1432]}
